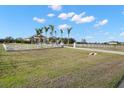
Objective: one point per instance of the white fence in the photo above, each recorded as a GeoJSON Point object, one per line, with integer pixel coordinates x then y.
{"type": "Point", "coordinates": [12, 47]}
{"type": "Point", "coordinates": [99, 46]}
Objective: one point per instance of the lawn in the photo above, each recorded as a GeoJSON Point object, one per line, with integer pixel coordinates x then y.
{"type": "Point", "coordinates": [59, 67]}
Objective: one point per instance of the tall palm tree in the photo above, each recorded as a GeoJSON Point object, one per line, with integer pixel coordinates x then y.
{"type": "Point", "coordinates": [69, 30]}
{"type": "Point", "coordinates": [41, 30]}
{"type": "Point", "coordinates": [46, 30]}
{"type": "Point", "coordinates": [37, 31]}
{"type": "Point", "coordinates": [52, 30]}
{"type": "Point", "coordinates": [61, 34]}
{"type": "Point", "coordinates": [55, 36]}
{"type": "Point", "coordinates": [55, 33]}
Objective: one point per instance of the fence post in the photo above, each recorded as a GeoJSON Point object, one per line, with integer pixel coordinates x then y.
{"type": "Point", "coordinates": [4, 47]}
{"type": "Point", "coordinates": [74, 45]}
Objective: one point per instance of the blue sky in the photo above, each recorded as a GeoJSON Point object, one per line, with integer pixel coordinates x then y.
{"type": "Point", "coordinates": [94, 23]}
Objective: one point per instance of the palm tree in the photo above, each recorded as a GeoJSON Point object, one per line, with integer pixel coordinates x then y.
{"type": "Point", "coordinates": [37, 31]}
{"type": "Point", "coordinates": [52, 30]}
{"type": "Point", "coordinates": [55, 33]}
{"type": "Point", "coordinates": [55, 36]}
{"type": "Point", "coordinates": [46, 30]}
{"type": "Point", "coordinates": [41, 30]}
{"type": "Point", "coordinates": [69, 30]}
{"type": "Point", "coordinates": [61, 34]}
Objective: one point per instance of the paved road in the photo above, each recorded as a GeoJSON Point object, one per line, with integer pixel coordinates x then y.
{"type": "Point", "coordinates": [98, 50]}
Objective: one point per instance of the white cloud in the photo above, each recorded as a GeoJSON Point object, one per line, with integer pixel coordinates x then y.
{"type": "Point", "coordinates": [70, 14]}
{"type": "Point", "coordinates": [87, 19]}
{"type": "Point", "coordinates": [39, 20]}
{"type": "Point", "coordinates": [101, 23]}
{"type": "Point", "coordinates": [55, 7]}
{"type": "Point", "coordinates": [64, 26]}
{"type": "Point", "coordinates": [122, 34]}
{"type": "Point", "coordinates": [79, 19]}
{"type": "Point", "coordinates": [51, 15]}
{"type": "Point", "coordinates": [65, 16]}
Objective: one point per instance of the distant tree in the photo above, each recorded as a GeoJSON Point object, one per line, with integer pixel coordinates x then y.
{"type": "Point", "coordinates": [65, 40]}
{"type": "Point", "coordinates": [83, 41]}
{"type": "Point", "coordinates": [41, 30]}
{"type": "Point", "coordinates": [37, 31]}
{"type": "Point", "coordinates": [61, 35]}
{"type": "Point", "coordinates": [55, 36]}
{"type": "Point", "coordinates": [72, 40]}
{"type": "Point", "coordinates": [19, 40]}
{"type": "Point", "coordinates": [9, 39]}
{"type": "Point", "coordinates": [46, 30]}
{"type": "Point", "coordinates": [55, 33]}
{"type": "Point", "coordinates": [2, 40]}
{"type": "Point", "coordinates": [51, 32]}
{"type": "Point", "coordinates": [69, 30]}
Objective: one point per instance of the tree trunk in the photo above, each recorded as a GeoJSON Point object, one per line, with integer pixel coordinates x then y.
{"type": "Point", "coordinates": [68, 39]}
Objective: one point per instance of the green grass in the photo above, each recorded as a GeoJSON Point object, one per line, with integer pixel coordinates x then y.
{"type": "Point", "coordinates": [59, 67]}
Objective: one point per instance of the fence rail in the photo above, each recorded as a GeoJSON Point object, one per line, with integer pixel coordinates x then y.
{"type": "Point", "coordinates": [13, 47]}
{"type": "Point", "coordinates": [99, 45]}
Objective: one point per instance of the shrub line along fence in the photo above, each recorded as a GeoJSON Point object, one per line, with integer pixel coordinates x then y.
{"type": "Point", "coordinates": [14, 47]}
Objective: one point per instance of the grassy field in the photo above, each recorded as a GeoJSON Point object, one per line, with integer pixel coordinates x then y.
{"type": "Point", "coordinates": [59, 67]}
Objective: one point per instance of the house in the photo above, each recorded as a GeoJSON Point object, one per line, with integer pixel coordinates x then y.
{"type": "Point", "coordinates": [37, 39]}
{"type": "Point", "coordinates": [113, 42]}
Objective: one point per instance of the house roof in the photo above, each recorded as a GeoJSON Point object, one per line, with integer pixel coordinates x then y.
{"type": "Point", "coordinates": [37, 36]}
